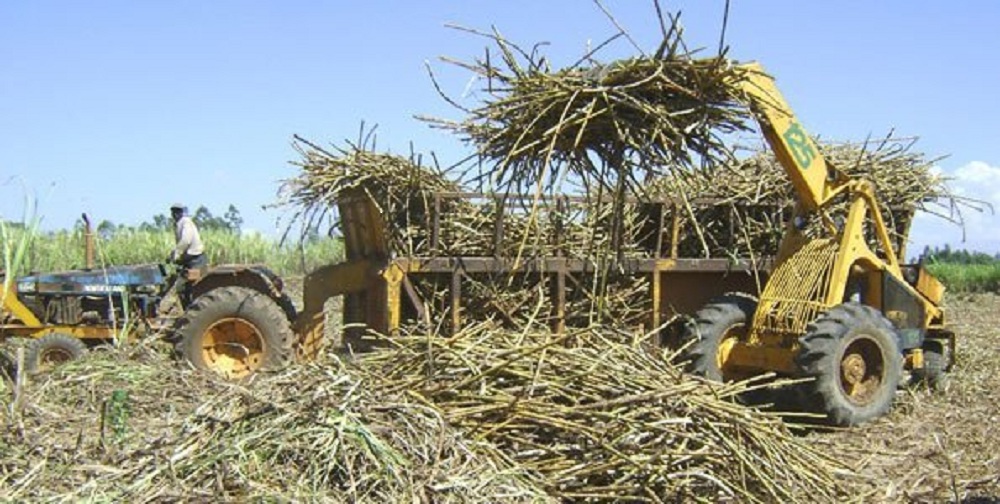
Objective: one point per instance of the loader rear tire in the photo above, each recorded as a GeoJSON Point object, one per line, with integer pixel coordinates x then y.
{"type": "Point", "coordinates": [235, 332]}
{"type": "Point", "coordinates": [707, 338]}
{"type": "Point", "coordinates": [51, 350]}
{"type": "Point", "coordinates": [853, 355]}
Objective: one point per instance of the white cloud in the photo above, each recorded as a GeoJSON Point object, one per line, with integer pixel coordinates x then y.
{"type": "Point", "coordinates": [978, 181]}
{"type": "Point", "coordinates": [978, 172]}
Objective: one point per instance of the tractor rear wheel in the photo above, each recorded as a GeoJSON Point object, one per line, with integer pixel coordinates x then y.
{"type": "Point", "coordinates": [51, 350]}
{"type": "Point", "coordinates": [853, 355]}
{"type": "Point", "coordinates": [286, 304]}
{"type": "Point", "coordinates": [235, 332]}
{"type": "Point", "coordinates": [709, 337]}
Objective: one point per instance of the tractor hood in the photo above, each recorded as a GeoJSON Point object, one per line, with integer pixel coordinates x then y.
{"type": "Point", "coordinates": [143, 277]}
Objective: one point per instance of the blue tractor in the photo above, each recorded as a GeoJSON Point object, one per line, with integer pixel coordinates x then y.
{"type": "Point", "coordinates": [232, 319]}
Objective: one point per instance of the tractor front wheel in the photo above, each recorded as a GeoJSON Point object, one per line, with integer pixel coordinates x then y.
{"type": "Point", "coordinates": [235, 332]}
{"type": "Point", "coordinates": [51, 350]}
{"type": "Point", "coordinates": [853, 355]}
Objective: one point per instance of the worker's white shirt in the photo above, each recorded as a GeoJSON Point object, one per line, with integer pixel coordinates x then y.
{"type": "Point", "coordinates": [188, 239]}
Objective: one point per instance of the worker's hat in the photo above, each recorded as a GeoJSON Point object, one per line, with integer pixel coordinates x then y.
{"type": "Point", "coordinates": [178, 206]}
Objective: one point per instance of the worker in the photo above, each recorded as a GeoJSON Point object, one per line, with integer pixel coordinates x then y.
{"type": "Point", "coordinates": [188, 253]}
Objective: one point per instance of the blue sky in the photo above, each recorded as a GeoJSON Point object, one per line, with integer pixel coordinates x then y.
{"type": "Point", "coordinates": [118, 108]}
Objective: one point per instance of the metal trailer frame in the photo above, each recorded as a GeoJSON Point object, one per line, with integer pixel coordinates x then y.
{"type": "Point", "coordinates": [378, 288]}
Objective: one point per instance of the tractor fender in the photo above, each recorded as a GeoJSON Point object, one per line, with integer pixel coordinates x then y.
{"type": "Point", "coordinates": [254, 276]}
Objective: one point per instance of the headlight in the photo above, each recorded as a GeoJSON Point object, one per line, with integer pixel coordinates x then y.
{"type": "Point", "coordinates": [26, 287]}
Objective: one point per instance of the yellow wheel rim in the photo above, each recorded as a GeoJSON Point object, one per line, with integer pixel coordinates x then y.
{"type": "Point", "coordinates": [862, 370]}
{"type": "Point", "coordinates": [233, 348]}
{"type": "Point", "coordinates": [726, 344]}
{"type": "Point", "coordinates": [52, 357]}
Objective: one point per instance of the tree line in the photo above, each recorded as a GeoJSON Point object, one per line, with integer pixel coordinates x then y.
{"type": "Point", "coordinates": [230, 221]}
{"type": "Point", "coordinates": [949, 255]}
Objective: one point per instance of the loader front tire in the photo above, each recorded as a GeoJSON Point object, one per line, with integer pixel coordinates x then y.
{"type": "Point", "coordinates": [853, 355]}
{"type": "Point", "coordinates": [51, 350]}
{"type": "Point", "coordinates": [711, 333]}
{"type": "Point", "coordinates": [235, 332]}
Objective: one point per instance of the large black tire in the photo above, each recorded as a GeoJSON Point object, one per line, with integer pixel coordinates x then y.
{"type": "Point", "coordinates": [286, 304]}
{"type": "Point", "coordinates": [51, 350]}
{"type": "Point", "coordinates": [934, 374]}
{"type": "Point", "coordinates": [235, 332]}
{"type": "Point", "coordinates": [853, 355]}
{"type": "Point", "coordinates": [705, 337]}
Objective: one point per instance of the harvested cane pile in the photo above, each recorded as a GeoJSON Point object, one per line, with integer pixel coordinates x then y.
{"type": "Point", "coordinates": [483, 416]}
{"type": "Point", "coordinates": [110, 428]}
{"type": "Point", "coordinates": [64, 438]}
{"type": "Point", "coordinates": [603, 421]}
{"type": "Point", "coordinates": [754, 196]}
{"type": "Point", "coordinates": [402, 188]}
{"type": "Point", "coordinates": [639, 117]}
{"type": "Point", "coordinates": [414, 198]}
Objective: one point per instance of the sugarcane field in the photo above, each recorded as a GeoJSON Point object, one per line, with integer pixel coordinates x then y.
{"type": "Point", "coordinates": [644, 278]}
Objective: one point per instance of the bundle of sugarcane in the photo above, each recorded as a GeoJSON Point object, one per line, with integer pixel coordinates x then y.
{"type": "Point", "coordinates": [609, 125]}
{"type": "Point", "coordinates": [402, 188]}
{"type": "Point", "coordinates": [518, 301]}
{"type": "Point", "coordinates": [314, 433]}
{"type": "Point", "coordinates": [600, 420]}
{"type": "Point", "coordinates": [583, 229]}
{"type": "Point", "coordinates": [754, 191]}
{"type": "Point", "coordinates": [413, 198]}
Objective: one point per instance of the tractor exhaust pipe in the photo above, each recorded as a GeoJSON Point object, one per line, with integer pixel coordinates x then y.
{"type": "Point", "coordinates": [88, 242]}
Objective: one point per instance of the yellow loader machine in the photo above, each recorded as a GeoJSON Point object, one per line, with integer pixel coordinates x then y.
{"type": "Point", "coordinates": [838, 307]}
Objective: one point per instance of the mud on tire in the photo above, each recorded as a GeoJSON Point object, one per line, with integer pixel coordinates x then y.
{"type": "Point", "coordinates": [234, 332]}
{"type": "Point", "coordinates": [852, 352]}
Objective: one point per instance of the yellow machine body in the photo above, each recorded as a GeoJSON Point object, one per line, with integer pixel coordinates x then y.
{"type": "Point", "coordinates": [812, 274]}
